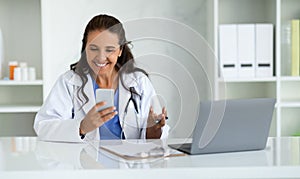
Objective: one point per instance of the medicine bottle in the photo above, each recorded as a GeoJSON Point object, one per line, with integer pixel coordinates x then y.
{"type": "Point", "coordinates": [17, 74]}
{"type": "Point", "coordinates": [31, 74]}
{"type": "Point", "coordinates": [12, 65]}
{"type": "Point", "coordinates": [24, 71]}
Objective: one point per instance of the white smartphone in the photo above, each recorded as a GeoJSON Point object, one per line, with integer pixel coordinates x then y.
{"type": "Point", "coordinates": [106, 95]}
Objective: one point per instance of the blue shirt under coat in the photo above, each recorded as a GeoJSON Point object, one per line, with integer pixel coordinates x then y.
{"type": "Point", "coordinates": [112, 128]}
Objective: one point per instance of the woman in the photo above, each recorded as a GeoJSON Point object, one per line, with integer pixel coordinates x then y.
{"type": "Point", "coordinates": [70, 112]}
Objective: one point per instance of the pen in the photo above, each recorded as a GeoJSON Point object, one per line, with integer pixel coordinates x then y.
{"type": "Point", "coordinates": [158, 120]}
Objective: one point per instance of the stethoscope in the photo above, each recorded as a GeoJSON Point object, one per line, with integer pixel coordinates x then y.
{"type": "Point", "coordinates": [132, 99]}
{"type": "Point", "coordinates": [132, 93]}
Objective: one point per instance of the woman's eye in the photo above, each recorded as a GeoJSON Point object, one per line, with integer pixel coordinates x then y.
{"type": "Point", "coordinates": [93, 48]}
{"type": "Point", "coordinates": [110, 50]}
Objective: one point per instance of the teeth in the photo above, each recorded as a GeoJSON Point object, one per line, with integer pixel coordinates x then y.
{"type": "Point", "coordinates": [100, 64]}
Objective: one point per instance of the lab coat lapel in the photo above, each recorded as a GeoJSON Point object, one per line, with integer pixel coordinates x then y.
{"type": "Point", "coordinates": [124, 96]}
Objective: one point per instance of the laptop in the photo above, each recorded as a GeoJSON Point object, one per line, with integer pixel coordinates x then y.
{"type": "Point", "coordinates": [230, 126]}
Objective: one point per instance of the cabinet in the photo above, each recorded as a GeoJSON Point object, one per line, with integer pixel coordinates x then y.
{"type": "Point", "coordinates": [281, 86]}
{"type": "Point", "coordinates": [20, 22]}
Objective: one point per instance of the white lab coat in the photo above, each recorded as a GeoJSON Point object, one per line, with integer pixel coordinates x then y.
{"type": "Point", "coordinates": [54, 120]}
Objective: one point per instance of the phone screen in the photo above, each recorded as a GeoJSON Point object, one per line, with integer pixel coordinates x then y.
{"type": "Point", "coordinates": [106, 95]}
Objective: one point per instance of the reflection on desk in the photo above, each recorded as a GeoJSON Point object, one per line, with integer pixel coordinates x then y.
{"type": "Point", "coordinates": [280, 159]}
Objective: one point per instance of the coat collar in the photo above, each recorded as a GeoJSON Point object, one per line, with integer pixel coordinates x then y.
{"type": "Point", "coordinates": [75, 80]}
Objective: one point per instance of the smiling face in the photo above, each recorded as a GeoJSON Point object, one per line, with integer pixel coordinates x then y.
{"type": "Point", "coordinates": [102, 51]}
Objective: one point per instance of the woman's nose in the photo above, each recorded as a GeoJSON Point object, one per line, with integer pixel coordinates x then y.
{"type": "Point", "coordinates": [102, 55]}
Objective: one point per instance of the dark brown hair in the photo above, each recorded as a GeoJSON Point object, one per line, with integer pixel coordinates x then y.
{"type": "Point", "coordinates": [113, 25]}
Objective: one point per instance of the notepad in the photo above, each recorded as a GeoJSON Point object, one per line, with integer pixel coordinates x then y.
{"type": "Point", "coordinates": [136, 150]}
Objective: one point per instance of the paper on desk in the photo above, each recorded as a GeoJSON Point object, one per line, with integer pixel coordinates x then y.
{"type": "Point", "coordinates": [136, 150]}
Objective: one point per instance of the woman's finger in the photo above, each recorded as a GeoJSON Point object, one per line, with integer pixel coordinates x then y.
{"type": "Point", "coordinates": [107, 110]}
{"type": "Point", "coordinates": [108, 117]}
{"type": "Point", "coordinates": [164, 111]}
{"type": "Point", "coordinates": [162, 121]}
{"type": "Point", "coordinates": [100, 104]}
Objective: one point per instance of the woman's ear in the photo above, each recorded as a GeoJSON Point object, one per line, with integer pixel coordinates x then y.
{"type": "Point", "coordinates": [120, 53]}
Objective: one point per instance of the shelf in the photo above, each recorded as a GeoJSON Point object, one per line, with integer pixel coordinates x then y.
{"type": "Point", "coordinates": [19, 109]}
{"type": "Point", "coordinates": [20, 83]}
{"type": "Point", "coordinates": [239, 80]}
{"type": "Point", "coordinates": [270, 79]}
{"type": "Point", "coordinates": [290, 78]}
{"type": "Point", "coordinates": [290, 104]}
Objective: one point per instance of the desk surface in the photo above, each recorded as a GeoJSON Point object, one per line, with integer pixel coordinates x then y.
{"type": "Point", "coordinates": [26, 156]}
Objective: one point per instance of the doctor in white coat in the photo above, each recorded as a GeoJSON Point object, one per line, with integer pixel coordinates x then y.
{"type": "Point", "coordinates": [70, 112]}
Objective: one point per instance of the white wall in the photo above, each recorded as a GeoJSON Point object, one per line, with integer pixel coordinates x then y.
{"type": "Point", "coordinates": [169, 48]}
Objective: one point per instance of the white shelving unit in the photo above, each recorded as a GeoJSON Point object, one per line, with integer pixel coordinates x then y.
{"type": "Point", "coordinates": [20, 83]}
{"type": "Point", "coordinates": [19, 109]}
{"type": "Point", "coordinates": [281, 86]}
{"type": "Point", "coordinates": [20, 22]}
{"type": "Point", "coordinates": [236, 80]}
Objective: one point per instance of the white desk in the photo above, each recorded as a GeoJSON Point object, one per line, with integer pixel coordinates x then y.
{"type": "Point", "coordinates": [24, 157]}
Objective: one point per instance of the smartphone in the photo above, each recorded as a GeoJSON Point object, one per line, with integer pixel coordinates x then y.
{"type": "Point", "coordinates": [106, 95]}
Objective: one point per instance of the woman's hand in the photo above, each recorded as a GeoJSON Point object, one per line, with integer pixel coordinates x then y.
{"type": "Point", "coordinates": [155, 123]}
{"type": "Point", "coordinates": [95, 118]}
